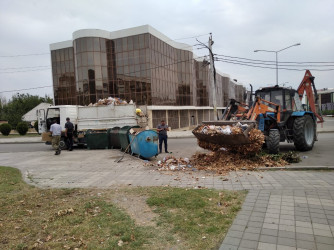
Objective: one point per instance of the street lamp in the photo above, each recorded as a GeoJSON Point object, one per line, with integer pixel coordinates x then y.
{"type": "Point", "coordinates": [276, 51]}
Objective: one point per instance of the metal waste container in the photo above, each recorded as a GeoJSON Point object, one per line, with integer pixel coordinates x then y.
{"type": "Point", "coordinates": [144, 144]}
{"type": "Point", "coordinates": [113, 138]}
{"type": "Point", "coordinates": [123, 134]}
{"type": "Point", "coordinates": [97, 139]}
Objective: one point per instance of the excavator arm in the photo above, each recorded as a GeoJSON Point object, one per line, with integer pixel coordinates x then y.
{"type": "Point", "coordinates": [307, 85]}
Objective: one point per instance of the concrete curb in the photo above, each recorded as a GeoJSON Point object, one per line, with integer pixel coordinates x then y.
{"type": "Point", "coordinates": [294, 168]}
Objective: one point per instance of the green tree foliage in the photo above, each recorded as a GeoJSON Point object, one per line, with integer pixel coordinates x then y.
{"type": "Point", "coordinates": [14, 109]}
{"type": "Point", "coordinates": [22, 128]}
{"type": "Point", "coordinates": [5, 129]}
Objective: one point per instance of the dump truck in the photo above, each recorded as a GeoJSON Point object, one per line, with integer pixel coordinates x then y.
{"type": "Point", "coordinates": [85, 118]}
{"type": "Point", "coordinates": [277, 111]}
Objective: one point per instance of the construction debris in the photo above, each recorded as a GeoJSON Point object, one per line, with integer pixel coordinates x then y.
{"type": "Point", "coordinates": [110, 101]}
{"type": "Point", "coordinates": [172, 163]}
{"type": "Point", "coordinates": [238, 128]}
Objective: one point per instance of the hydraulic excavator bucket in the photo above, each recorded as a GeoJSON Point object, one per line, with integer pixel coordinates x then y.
{"type": "Point", "coordinates": [224, 132]}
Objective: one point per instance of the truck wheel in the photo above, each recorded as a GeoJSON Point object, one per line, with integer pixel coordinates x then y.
{"type": "Point", "coordinates": [304, 133]}
{"type": "Point", "coordinates": [62, 144]}
{"type": "Point", "coordinates": [273, 141]}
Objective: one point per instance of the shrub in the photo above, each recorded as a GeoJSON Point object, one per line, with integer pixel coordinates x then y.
{"type": "Point", "coordinates": [5, 129]}
{"type": "Point", "coordinates": [328, 112]}
{"type": "Point", "coordinates": [36, 125]}
{"type": "Point", "coordinates": [22, 128]}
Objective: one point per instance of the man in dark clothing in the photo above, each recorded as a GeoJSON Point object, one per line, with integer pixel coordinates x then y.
{"type": "Point", "coordinates": [162, 130]}
{"type": "Point", "coordinates": [69, 128]}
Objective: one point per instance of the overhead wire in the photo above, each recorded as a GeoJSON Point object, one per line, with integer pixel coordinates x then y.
{"type": "Point", "coordinates": [243, 58]}
{"type": "Point", "coordinates": [265, 67]}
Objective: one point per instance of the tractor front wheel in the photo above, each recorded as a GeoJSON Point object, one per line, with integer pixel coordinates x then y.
{"type": "Point", "coordinates": [273, 141]}
{"type": "Point", "coordinates": [304, 133]}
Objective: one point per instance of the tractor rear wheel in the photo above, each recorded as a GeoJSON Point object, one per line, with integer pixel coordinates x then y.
{"type": "Point", "coordinates": [304, 133]}
{"type": "Point", "coordinates": [273, 141]}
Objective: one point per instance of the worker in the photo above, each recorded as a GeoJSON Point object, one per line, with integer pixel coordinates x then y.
{"type": "Point", "coordinates": [69, 128]}
{"type": "Point", "coordinates": [55, 130]}
{"type": "Point", "coordinates": [162, 130]}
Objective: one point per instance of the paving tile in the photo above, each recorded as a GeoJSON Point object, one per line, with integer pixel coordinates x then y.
{"type": "Point", "coordinates": [303, 224]}
{"type": "Point", "coordinates": [281, 247]}
{"type": "Point", "coordinates": [271, 220]}
{"type": "Point", "coordinates": [287, 228]}
{"type": "Point", "coordinates": [254, 230]}
{"type": "Point", "coordinates": [303, 244]}
{"type": "Point", "coordinates": [271, 232]}
{"type": "Point", "coordinates": [304, 230]}
{"type": "Point", "coordinates": [254, 224]}
{"type": "Point", "coordinates": [266, 246]}
{"type": "Point", "coordinates": [240, 222]}
{"type": "Point", "coordinates": [257, 219]}
{"type": "Point", "coordinates": [303, 236]}
{"type": "Point", "coordinates": [286, 242]}
{"type": "Point", "coordinates": [321, 226]}
{"type": "Point", "coordinates": [251, 236]}
{"type": "Point", "coordinates": [268, 239]}
{"type": "Point", "coordinates": [325, 240]}
{"type": "Point", "coordinates": [249, 244]}
{"type": "Point", "coordinates": [232, 241]}
{"type": "Point", "coordinates": [270, 226]}
{"type": "Point", "coordinates": [326, 233]}
{"type": "Point", "coordinates": [286, 234]}
{"type": "Point", "coordinates": [237, 227]}
{"type": "Point", "coordinates": [234, 234]}
{"type": "Point", "coordinates": [321, 246]}
{"type": "Point", "coordinates": [228, 247]}
{"type": "Point", "coordinates": [287, 222]}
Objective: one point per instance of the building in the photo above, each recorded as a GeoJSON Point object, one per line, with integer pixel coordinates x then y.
{"type": "Point", "coordinates": [31, 116]}
{"type": "Point", "coordinates": [160, 75]}
{"type": "Point", "coordinates": [326, 98]}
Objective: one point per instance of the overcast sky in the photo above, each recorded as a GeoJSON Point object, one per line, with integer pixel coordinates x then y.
{"type": "Point", "coordinates": [238, 28]}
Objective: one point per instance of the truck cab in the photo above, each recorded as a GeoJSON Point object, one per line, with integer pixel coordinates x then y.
{"type": "Point", "coordinates": [58, 113]}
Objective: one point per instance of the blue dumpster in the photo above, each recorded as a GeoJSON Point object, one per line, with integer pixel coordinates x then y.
{"type": "Point", "coordinates": [144, 144]}
{"type": "Point", "coordinates": [124, 138]}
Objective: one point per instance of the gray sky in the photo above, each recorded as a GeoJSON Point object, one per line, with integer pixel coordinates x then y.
{"type": "Point", "coordinates": [238, 27]}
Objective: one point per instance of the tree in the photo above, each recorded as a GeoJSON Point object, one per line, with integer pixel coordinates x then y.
{"type": "Point", "coordinates": [5, 129]}
{"type": "Point", "coordinates": [22, 128]}
{"type": "Point", "coordinates": [19, 105]}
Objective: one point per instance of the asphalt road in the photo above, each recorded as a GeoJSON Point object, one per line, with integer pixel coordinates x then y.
{"type": "Point", "coordinates": [321, 155]}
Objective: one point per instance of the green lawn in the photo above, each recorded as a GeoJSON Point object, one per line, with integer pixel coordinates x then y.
{"type": "Point", "coordinates": [88, 218]}
{"type": "Point", "coordinates": [18, 135]}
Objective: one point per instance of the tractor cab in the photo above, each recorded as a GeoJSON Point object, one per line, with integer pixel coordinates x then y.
{"type": "Point", "coordinates": [287, 98]}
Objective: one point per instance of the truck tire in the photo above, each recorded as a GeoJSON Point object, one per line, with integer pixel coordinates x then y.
{"type": "Point", "coordinates": [303, 133]}
{"type": "Point", "coordinates": [62, 143]}
{"type": "Point", "coordinates": [273, 141]}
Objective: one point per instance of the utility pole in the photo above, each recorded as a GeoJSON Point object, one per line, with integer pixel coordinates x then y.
{"type": "Point", "coordinates": [212, 76]}
{"type": "Point", "coordinates": [213, 79]}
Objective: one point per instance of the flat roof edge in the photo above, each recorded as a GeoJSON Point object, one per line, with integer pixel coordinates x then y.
{"type": "Point", "coordinates": [120, 34]}
{"type": "Point", "coordinates": [61, 45]}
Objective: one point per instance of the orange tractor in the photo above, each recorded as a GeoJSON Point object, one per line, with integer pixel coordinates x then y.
{"type": "Point", "coordinates": [278, 113]}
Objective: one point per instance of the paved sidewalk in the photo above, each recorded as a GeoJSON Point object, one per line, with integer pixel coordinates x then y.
{"type": "Point", "coordinates": [284, 219]}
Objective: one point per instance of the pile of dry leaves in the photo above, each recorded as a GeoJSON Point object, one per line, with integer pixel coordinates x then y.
{"type": "Point", "coordinates": [223, 161]}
